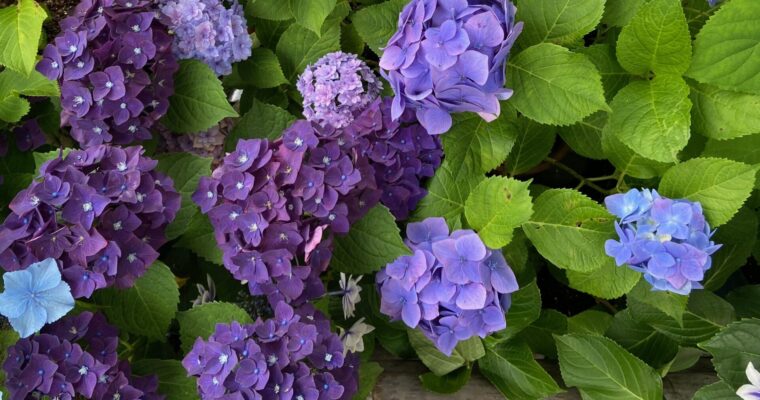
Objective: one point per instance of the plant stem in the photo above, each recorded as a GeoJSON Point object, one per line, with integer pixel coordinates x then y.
{"type": "Point", "coordinates": [607, 305]}
{"type": "Point", "coordinates": [583, 181]}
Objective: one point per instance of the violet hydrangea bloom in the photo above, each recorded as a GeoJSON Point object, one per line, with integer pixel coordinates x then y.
{"type": "Point", "coordinates": [114, 63]}
{"type": "Point", "coordinates": [208, 31]}
{"type": "Point", "coordinates": [334, 89]}
{"type": "Point", "coordinates": [101, 212]}
{"type": "Point", "coordinates": [74, 358]}
{"type": "Point", "coordinates": [450, 56]}
{"type": "Point", "coordinates": [452, 287]}
{"type": "Point", "coordinates": [667, 240]}
{"type": "Point", "coordinates": [293, 355]}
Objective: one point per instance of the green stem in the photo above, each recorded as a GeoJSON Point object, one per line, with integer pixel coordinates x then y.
{"type": "Point", "coordinates": [583, 181]}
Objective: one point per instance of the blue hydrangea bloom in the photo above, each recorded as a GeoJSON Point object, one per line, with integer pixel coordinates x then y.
{"type": "Point", "coordinates": [667, 240]}
{"type": "Point", "coordinates": [34, 297]}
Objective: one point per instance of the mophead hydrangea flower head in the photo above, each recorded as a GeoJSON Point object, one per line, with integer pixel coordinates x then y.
{"type": "Point", "coordinates": [667, 240]}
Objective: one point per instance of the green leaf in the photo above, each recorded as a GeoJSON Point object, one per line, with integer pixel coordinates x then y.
{"type": "Point", "coordinates": [671, 304]}
{"type": "Point", "coordinates": [376, 24]}
{"type": "Point", "coordinates": [727, 49]}
{"type": "Point", "coordinates": [557, 21]}
{"type": "Point", "coordinates": [533, 143]}
{"type": "Point", "coordinates": [722, 114]}
{"type": "Point", "coordinates": [746, 301]}
{"type": "Point", "coordinates": [199, 238]}
{"type": "Point", "coordinates": [145, 309]}
{"type": "Point", "coordinates": [721, 186]}
{"type": "Point", "coordinates": [201, 321]}
{"type": "Point", "coordinates": [627, 161]}
{"type": "Point", "coordinates": [447, 384]}
{"type": "Point", "coordinates": [643, 341]}
{"type": "Point", "coordinates": [20, 29]}
{"type": "Point", "coordinates": [13, 108]}
{"type": "Point", "coordinates": [269, 31]}
{"type": "Point", "coordinates": [198, 102]}
{"type": "Point", "coordinates": [185, 169]}
{"type": "Point", "coordinates": [620, 12]}
{"type": "Point", "coordinates": [656, 39]}
{"type": "Point", "coordinates": [350, 41]}
{"type": "Point", "coordinates": [372, 242]}
{"type": "Point", "coordinates": [173, 381]}
{"type": "Point", "coordinates": [540, 334]}
{"type": "Point", "coordinates": [479, 143]}
{"type": "Point", "coordinates": [590, 321]}
{"type": "Point", "coordinates": [745, 149]}
{"type": "Point", "coordinates": [496, 207]}
{"type": "Point", "coordinates": [262, 69]}
{"type": "Point", "coordinates": [471, 349]}
{"type": "Point", "coordinates": [311, 14]}
{"type": "Point", "coordinates": [607, 282]}
{"type": "Point", "coordinates": [733, 348]}
{"type": "Point", "coordinates": [737, 237]}
{"type": "Point", "coordinates": [614, 77]}
{"type": "Point", "coordinates": [511, 368]}
{"type": "Point", "coordinates": [448, 192]}
{"type": "Point", "coordinates": [8, 338]}
{"type": "Point", "coordinates": [437, 362]}
{"type": "Point", "coordinates": [524, 310]}
{"type": "Point", "coordinates": [716, 391]}
{"type": "Point", "coordinates": [652, 117]}
{"type": "Point", "coordinates": [601, 369]}
{"type": "Point", "coordinates": [276, 10]}
{"type": "Point", "coordinates": [13, 84]}
{"type": "Point", "coordinates": [262, 121]}
{"type": "Point", "coordinates": [298, 47]}
{"type": "Point", "coordinates": [569, 230]}
{"type": "Point", "coordinates": [369, 374]}
{"type": "Point", "coordinates": [555, 86]}
{"type": "Point", "coordinates": [585, 137]}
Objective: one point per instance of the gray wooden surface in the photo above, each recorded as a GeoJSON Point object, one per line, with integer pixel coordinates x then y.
{"type": "Point", "coordinates": [400, 381]}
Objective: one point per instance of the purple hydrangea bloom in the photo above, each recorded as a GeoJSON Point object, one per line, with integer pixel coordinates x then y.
{"type": "Point", "coordinates": [101, 212]}
{"type": "Point", "coordinates": [452, 287]}
{"type": "Point", "coordinates": [667, 240]}
{"type": "Point", "coordinates": [206, 30]}
{"type": "Point", "coordinates": [74, 358]}
{"type": "Point", "coordinates": [336, 88]}
{"type": "Point", "coordinates": [293, 355]}
{"type": "Point", "coordinates": [450, 56]}
{"type": "Point", "coordinates": [115, 66]}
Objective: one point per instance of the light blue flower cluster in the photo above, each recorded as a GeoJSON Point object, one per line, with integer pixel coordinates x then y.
{"type": "Point", "coordinates": [667, 240]}
{"type": "Point", "coordinates": [206, 30]}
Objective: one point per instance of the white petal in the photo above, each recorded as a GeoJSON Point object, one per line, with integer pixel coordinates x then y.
{"type": "Point", "coordinates": [753, 375]}
{"type": "Point", "coordinates": [748, 392]}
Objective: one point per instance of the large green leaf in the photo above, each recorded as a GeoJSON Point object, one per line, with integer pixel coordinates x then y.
{"type": "Point", "coordinates": [569, 230]}
{"type": "Point", "coordinates": [652, 117]}
{"type": "Point", "coordinates": [620, 12]}
{"type": "Point", "coordinates": [201, 321]}
{"type": "Point", "coordinates": [716, 391]}
{"type": "Point", "coordinates": [671, 304]}
{"type": "Point", "coordinates": [262, 121]}
{"type": "Point", "coordinates": [737, 237]}
{"type": "Point", "coordinates": [496, 207]}
{"type": "Point", "coordinates": [185, 169]}
{"type": "Point", "coordinates": [199, 238]}
{"type": "Point", "coordinates": [627, 161]}
{"type": "Point", "coordinates": [557, 21]}
{"type": "Point", "coordinates": [590, 321]}
{"type": "Point", "coordinates": [541, 333]}
{"type": "Point", "coordinates": [145, 309]}
{"type": "Point", "coordinates": [533, 143]}
{"type": "Point", "coordinates": [372, 242]}
{"type": "Point", "coordinates": [447, 384]}
{"type": "Point", "coordinates": [554, 85]}
{"type": "Point", "coordinates": [479, 143]}
{"type": "Point", "coordinates": [511, 368]}
{"type": "Point", "coordinates": [276, 10]}
{"type": "Point", "coordinates": [585, 137]}
{"type": "Point", "coordinates": [377, 23]}
{"type": "Point", "coordinates": [745, 149]}
{"type": "Point", "coordinates": [607, 282]}
{"type": "Point", "coordinates": [727, 49]}
{"type": "Point", "coordinates": [298, 47]}
{"type": "Point", "coordinates": [524, 310]}
{"type": "Point", "coordinates": [656, 39]}
{"type": "Point", "coordinates": [369, 373]}
{"type": "Point", "coordinates": [614, 77]}
{"type": "Point", "coordinates": [198, 102]}
{"type": "Point", "coordinates": [262, 69]}
{"type": "Point", "coordinates": [20, 29]}
{"type": "Point", "coordinates": [448, 192]}
{"type": "Point", "coordinates": [722, 114]}
{"type": "Point", "coordinates": [173, 381]}
{"type": "Point", "coordinates": [733, 348]}
{"type": "Point", "coordinates": [311, 14]}
{"type": "Point", "coordinates": [746, 301]}
{"type": "Point", "coordinates": [601, 369]}
{"type": "Point", "coordinates": [14, 84]}
{"type": "Point", "coordinates": [643, 341]}
{"type": "Point", "coordinates": [720, 185]}
{"type": "Point", "coordinates": [439, 363]}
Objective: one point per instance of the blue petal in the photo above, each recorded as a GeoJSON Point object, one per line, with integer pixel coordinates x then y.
{"type": "Point", "coordinates": [57, 301]}
{"type": "Point", "coordinates": [12, 306]}
{"type": "Point", "coordinates": [30, 322]}
{"type": "Point", "coordinates": [45, 275]}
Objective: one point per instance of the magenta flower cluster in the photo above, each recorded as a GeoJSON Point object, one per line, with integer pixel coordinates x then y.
{"type": "Point", "coordinates": [114, 63]}
{"type": "Point", "coordinates": [206, 30]}
{"type": "Point", "coordinates": [74, 358]}
{"type": "Point", "coordinates": [293, 355]}
{"type": "Point", "coordinates": [336, 88]}
{"type": "Point", "coordinates": [452, 287]}
{"type": "Point", "coordinates": [450, 56]}
{"type": "Point", "coordinates": [101, 212]}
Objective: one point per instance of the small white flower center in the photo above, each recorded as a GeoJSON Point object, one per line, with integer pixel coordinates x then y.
{"type": "Point", "coordinates": [34, 200]}
{"type": "Point", "coordinates": [132, 257]}
{"type": "Point", "coordinates": [123, 106]}
{"type": "Point", "coordinates": [97, 130]}
{"type": "Point", "coordinates": [132, 128]}
{"type": "Point", "coordinates": [140, 197]}
{"type": "Point", "coordinates": [87, 207]}
{"type": "Point", "coordinates": [239, 185]}
{"type": "Point", "coordinates": [243, 158]}
{"type": "Point", "coordinates": [54, 64]}
{"type": "Point", "coordinates": [223, 359]}
{"type": "Point", "coordinates": [137, 50]}
{"type": "Point", "coordinates": [83, 370]}
{"type": "Point", "coordinates": [136, 28]}
{"type": "Point", "coordinates": [328, 357]}
{"type": "Point", "coordinates": [109, 84]}
{"type": "Point", "coordinates": [78, 100]}
{"type": "Point", "coordinates": [234, 215]}
{"type": "Point", "coordinates": [117, 226]}
{"type": "Point", "coordinates": [209, 194]}
{"type": "Point", "coordinates": [121, 166]}
{"type": "Point", "coordinates": [73, 48]}
{"type": "Point", "coordinates": [80, 64]}
{"type": "Point", "coordinates": [298, 141]}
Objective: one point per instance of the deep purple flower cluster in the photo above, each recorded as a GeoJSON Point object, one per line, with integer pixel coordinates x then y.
{"type": "Point", "coordinates": [114, 63]}
{"type": "Point", "coordinates": [452, 287]}
{"type": "Point", "coordinates": [101, 212]}
{"type": "Point", "coordinates": [206, 30]}
{"type": "Point", "coordinates": [336, 88]}
{"type": "Point", "coordinates": [667, 240]}
{"type": "Point", "coordinates": [292, 356]}
{"type": "Point", "coordinates": [74, 358]}
{"type": "Point", "coordinates": [209, 143]}
{"type": "Point", "coordinates": [450, 56]}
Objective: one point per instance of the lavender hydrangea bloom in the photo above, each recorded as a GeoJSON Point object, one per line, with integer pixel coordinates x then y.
{"type": "Point", "coordinates": [293, 354]}
{"type": "Point", "coordinates": [450, 56]}
{"type": "Point", "coordinates": [115, 66]}
{"type": "Point", "coordinates": [452, 287]}
{"type": "Point", "coordinates": [74, 358]}
{"type": "Point", "coordinates": [667, 240]}
{"type": "Point", "coordinates": [205, 30]}
{"type": "Point", "coordinates": [335, 88]}
{"type": "Point", "coordinates": [101, 212]}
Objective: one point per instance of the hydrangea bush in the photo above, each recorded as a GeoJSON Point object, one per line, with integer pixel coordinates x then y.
{"type": "Point", "coordinates": [491, 187]}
